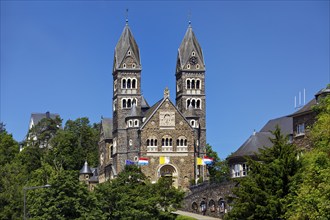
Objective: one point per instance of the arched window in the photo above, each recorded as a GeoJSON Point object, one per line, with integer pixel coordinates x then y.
{"type": "Point", "coordinates": [136, 123]}
{"type": "Point", "coordinates": [148, 142]}
{"type": "Point", "coordinates": [222, 205]}
{"type": "Point", "coordinates": [193, 84]}
{"type": "Point", "coordinates": [133, 83]}
{"type": "Point", "coordinates": [193, 103]}
{"type": "Point", "coordinates": [124, 103]}
{"type": "Point", "coordinates": [123, 84]}
{"type": "Point", "coordinates": [152, 142]}
{"type": "Point", "coordinates": [170, 141]}
{"type": "Point", "coordinates": [198, 104]}
{"type": "Point", "coordinates": [212, 205]}
{"type": "Point", "coordinates": [177, 142]}
{"type": "Point", "coordinates": [181, 142]}
{"type": "Point", "coordinates": [134, 101]}
{"type": "Point", "coordinates": [163, 142]}
{"type": "Point", "coordinates": [128, 83]}
{"type": "Point", "coordinates": [185, 142]}
{"type": "Point", "coordinates": [166, 142]}
{"type": "Point", "coordinates": [129, 103]}
{"type": "Point", "coordinates": [188, 84]}
{"type": "Point", "coordinates": [188, 103]}
{"type": "Point", "coordinates": [197, 84]}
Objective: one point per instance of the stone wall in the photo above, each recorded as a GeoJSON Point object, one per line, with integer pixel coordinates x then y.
{"type": "Point", "coordinates": [214, 196]}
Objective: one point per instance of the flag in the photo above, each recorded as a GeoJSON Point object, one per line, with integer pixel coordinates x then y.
{"type": "Point", "coordinates": [129, 162]}
{"type": "Point", "coordinates": [143, 161]}
{"type": "Point", "coordinates": [164, 160]}
{"type": "Point", "coordinates": [207, 160]}
{"type": "Point", "coordinates": [200, 161]}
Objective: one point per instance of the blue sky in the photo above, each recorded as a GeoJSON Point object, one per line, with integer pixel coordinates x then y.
{"type": "Point", "coordinates": [57, 56]}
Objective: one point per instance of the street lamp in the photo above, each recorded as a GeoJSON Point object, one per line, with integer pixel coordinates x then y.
{"type": "Point", "coordinates": [28, 188]}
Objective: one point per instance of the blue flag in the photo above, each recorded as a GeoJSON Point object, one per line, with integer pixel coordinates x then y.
{"type": "Point", "coordinates": [129, 162]}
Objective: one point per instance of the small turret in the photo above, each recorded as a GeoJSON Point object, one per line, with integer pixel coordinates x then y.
{"type": "Point", "coordinates": [85, 173]}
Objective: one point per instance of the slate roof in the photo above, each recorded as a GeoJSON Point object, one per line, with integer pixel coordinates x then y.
{"type": "Point", "coordinates": [152, 109]}
{"type": "Point", "coordinates": [37, 117]}
{"type": "Point", "coordinates": [261, 139]}
{"type": "Point", "coordinates": [190, 113]}
{"type": "Point", "coordinates": [95, 177]}
{"type": "Point", "coordinates": [305, 109]}
{"type": "Point", "coordinates": [86, 169]}
{"type": "Point", "coordinates": [188, 45]}
{"type": "Point", "coordinates": [134, 111]}
{"type": "Point", "coordinates": [285, 124]}
{"type": "Point", "coordinates": [107, 127]}
{"type": "Point", "coordinates": [144, 103]}
{"type": "Point", "coordinates": [126, 42]}
{"type": "Point", "coordinates": [253, 144]}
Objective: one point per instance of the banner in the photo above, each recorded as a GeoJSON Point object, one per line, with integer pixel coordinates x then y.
{"type": "Point", "coordinates": [129, 162]}
{"type": "Point", "coordinates": [143, 161]}
{"type": "Point", "coordinates": [200, 161]}
{"type": "Point", "coordinates": [164, 160]}
{"type": "Point", "coordinates": [207, 160]}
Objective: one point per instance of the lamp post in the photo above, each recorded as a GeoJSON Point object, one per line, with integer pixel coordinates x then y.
{"type": "Point", "coordinates": [29, 188]}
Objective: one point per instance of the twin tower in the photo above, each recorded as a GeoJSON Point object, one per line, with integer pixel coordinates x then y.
{"type": "Point", "coordinates": [168, 136]}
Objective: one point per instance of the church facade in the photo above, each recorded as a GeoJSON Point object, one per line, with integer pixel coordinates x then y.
{"type": "Point", "coordinates": [168, 136]}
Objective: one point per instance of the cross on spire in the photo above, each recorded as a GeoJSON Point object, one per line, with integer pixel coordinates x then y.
{"type": "Point", "coordinates": [126, 16]}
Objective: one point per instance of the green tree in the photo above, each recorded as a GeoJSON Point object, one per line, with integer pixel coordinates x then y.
{"type": "Point", "coordinates": [263, 193]}
{"type": "Point", "coordinates": [218, 170]}
{"type": "Point", "coordinates": [77, 142]}
{"type": "Point", "coordinates": [42, 133]}
{"type": "Point", "coordinates": [67, 198]}
{"type": "Point", "coordinates": [311, 198]}
{"type": "Point", "coordinates": [8, 147]}
{"type": "Point", "coordinates": [132, 196]}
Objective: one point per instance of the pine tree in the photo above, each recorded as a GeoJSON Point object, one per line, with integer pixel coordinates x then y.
{"type": "Point", "coordinates": [262, 194]}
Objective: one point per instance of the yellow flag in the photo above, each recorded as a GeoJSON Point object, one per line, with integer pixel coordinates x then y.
{"type": "Point", "coordinates": [200, 161]}
{"type": "Point", "coordinates": [164, 160]}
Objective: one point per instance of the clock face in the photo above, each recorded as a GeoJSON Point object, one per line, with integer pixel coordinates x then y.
{"type": "Point", "coordinates": [193, 60]}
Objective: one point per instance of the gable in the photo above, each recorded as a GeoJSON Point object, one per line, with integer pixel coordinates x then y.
{"type": "Point", "coordinates": [166, 115]}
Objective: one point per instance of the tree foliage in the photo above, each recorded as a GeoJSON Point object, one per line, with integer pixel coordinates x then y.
{"type": "Point", "coordinates": [311, 199]}
{"type": "Point", "coordinates": [263, 193]}
{"type": "Point", "coordinates": [132, 196]}
{"type": "Point", "coordinates": [218, 170]}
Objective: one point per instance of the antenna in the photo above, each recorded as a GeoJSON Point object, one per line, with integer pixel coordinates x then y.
{"type": "Point", "coordinates": [300, 104]}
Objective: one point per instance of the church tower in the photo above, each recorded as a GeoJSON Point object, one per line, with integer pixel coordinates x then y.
{"type": "Point", "coordinates": [190, 86]}
{"type": "Point", "coordinates": [126, 95]}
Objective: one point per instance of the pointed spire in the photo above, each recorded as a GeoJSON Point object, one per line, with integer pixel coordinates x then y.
{"type": "Point", "coordinates": [191, 112]}
{"type": "Point", "coordinates": [190, 55]}
{"type": "Point", "coordinates": [127, 54]}
{"type": "Point", "coordinates": [85, 169]}
{"type": "Point", "coordinates": [134, 111]}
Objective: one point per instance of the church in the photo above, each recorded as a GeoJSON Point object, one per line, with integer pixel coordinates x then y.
{"type": "Point", "coordinates": [165, 138]}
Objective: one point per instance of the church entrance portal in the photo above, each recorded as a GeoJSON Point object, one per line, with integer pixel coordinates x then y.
{"type": "Point", "coordinates": [169, 171]}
